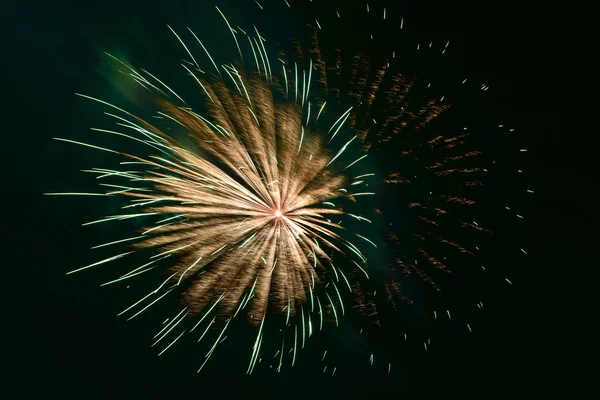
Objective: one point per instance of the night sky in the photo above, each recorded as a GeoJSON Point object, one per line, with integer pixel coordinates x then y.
{"type": "Point", "coordinates": [64, 338]}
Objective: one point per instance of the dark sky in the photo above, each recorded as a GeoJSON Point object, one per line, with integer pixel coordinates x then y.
{"type": "Point", "coordinates": [64, 339]}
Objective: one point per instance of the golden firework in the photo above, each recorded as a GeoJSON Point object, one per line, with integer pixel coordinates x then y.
{"type": "Point", "coordinates": [243, 221]}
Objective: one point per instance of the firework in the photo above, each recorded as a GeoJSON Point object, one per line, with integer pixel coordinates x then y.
{"type": "Point", "coordinates": [252, 220]}
{"type": "Point", "coordinates": [243, 223]}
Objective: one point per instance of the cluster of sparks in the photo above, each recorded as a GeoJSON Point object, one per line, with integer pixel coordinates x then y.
{"type": "Point", "coordinates": [244, 223]}
{"type": "Point", "coordinates": [434, 171]}
{"type": "Point", "coordinates": [252, 220]}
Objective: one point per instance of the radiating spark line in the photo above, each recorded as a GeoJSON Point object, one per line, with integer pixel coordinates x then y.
{"type": "Point", "coordinates": [185, 47]}
{"type": "Point", "coordinates": [175, 250]}
{"type": "Point", "coordinates": [256, 348]}
{"type": "Point", "coordinates": [274, 265]}
{"type": "Point", "coordinates": [206, 51]}
{"type": "Point", "coordinates": [160, 226]}
{"type": "Point", "coordinates": [170, 324]}
{"type": "Point", "coordinates": [301, 139]}
{"type": "Point", "coordinates": [341, 151]}
{"type": "Point", "coordinates": [190, 267]}
{"type": "Point", "coordinates": [164, 282]}
{"type": "Point", "coordinates": [295, 344]}
{"type": "Point", "coordinates": [353, 248]}
{"type": "Point", "coordinates": [100, 262]}
{"type": "Point", "coordinates": [145, 203]}
{"type": "Point", "coordinates": [344, 117]}
{"type": "Point", "coordinates": [128, 276]}
{"type": "Point", "coordinates": [199, 83]}
{"type": "Point", "coordinates": [296, 81]}
{"type": "Point", "coordinates": [136, 303]}
{"type": "Point", "coordinates": [281, 356]}
{"type": "Point", "coordinates": [358, 217]}
{"type": "Point", "coordinates": [76, 194]}
{"type": "Point", "coordinates": [254, 115]}
{"type": "Point", "coordinates": [333, 308]}
{"type": "Point", "coordinates": [145, 308]}
{"type": "Point", "coordinates": [87, 145]}
{"type": "Point", "coordinates": [171, 344]}
{"type": "Point", "coordinates": [303, 327]}
{"type": "Point", "coordinates": [117, 241]}
{"type": "Point", "coordinates": [320, 111]}
{"type": "Point", "coordinates": [168, 88]}
{"type": "Point", "coordinates": [208, 312]}
{"type": "Point", "coordinates": [207, 328]}
{"type": "Point", "coordinates": [226, 69]}
{"type": "Point", "coordinates": [118, 217]}
{"type": "Point", "coordinates": [265, 51]}
{"type": "Point", "coordinates": [310, 68]}
{"type": "Point", "coordinates": [262, 58]}
{"type": "Point", "coordinates": [303, 87]}
{"type": "Point", "coordinates": [286, 81]}
{"type": "Point", "coordinates": [232, 33]}
{"type": "Point", "coordinates": [254, 53]}
{"type": "Point", "coordinates": [339, 296]}
{"type": "Point", "coordinates": [170, 218]}
{"type": "Point", "coordinates": [359, 267]}
{"type": "Point", "coordinates": [214, 346]}
{"type": "Point", "coordinates": [103, 102]}
{"type": "Point", "coordinates": [354, 162]}
{"type": "Point", "coordinates": [363, 194]}
{"type": "Point", "coordinates": [320, 314]}
{"type": "Point", "coordinates": [240, 305]}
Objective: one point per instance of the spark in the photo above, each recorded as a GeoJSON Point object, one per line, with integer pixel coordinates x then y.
{"type": "Point", "coordinates": [76, 194]}
{"type": "Point", "coordinates": [100, 262]}
{"type": "Point", "coordinates": [355, 161]}
{"type": "Point", "coordinates": [341, 151]}
{"type": "Point", "coordinates": [117, 241]}
{"type": "Point", "coordinates": [86, 145]}
{"type": "Point", "coordinates": [206, 51]}
{"type": "Point", "coordinates": [171, 344]}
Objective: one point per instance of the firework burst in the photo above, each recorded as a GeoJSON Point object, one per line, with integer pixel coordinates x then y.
{"type": "Point", "coordinates": [252, 219]}
{"type": "Point", "coordinates": [243, 223]}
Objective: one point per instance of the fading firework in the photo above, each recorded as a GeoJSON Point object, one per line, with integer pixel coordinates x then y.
{"type": "Point", "coordinates": [433, 167]}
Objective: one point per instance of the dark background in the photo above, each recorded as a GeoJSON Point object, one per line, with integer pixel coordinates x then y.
{"type": "Point", "coordinates": [64, 340]}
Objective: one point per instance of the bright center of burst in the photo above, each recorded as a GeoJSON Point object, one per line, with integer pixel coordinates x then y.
{"type": "Point", "coordinates": [278, 213]}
